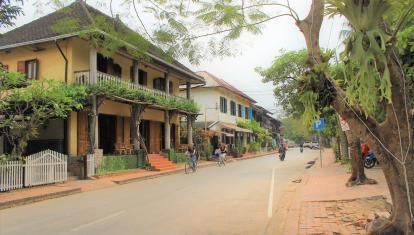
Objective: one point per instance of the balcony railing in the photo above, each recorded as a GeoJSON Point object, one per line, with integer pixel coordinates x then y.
{"type": "Point", "coordinates": [83, 77]}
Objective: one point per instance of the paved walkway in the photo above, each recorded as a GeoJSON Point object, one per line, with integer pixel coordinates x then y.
{"type": "Point", "coordinates": [325, 205]}
{"type": "Point", "coordinates": [30, 195]}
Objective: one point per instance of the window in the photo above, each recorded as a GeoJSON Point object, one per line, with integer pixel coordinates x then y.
{"type": "Point", "coordinates": [232, 108]}
{"type": "Point", "coordinates": [171, 87]}
{"type": "Point", "coordinates": [240, 109]}
{"type": "Point", "coordinates": [142, 77]}
{"type": "Point", "coordinates": [117, 70]}
{"type": "Point", "coordinates": [223, 105]}
{"type": "Point", "coordinates": [159, 84]}
{"type": "Point", "coordinates": [28, 67]}
{"type": "Point", "coordinates": [246, 111]}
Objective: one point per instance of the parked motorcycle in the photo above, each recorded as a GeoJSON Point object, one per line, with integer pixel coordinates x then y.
{"type": "Point", "coordinates": [370, 160]}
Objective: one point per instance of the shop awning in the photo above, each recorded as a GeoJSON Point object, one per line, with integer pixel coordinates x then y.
{"type": "Point", "coordinates": [234, 127]}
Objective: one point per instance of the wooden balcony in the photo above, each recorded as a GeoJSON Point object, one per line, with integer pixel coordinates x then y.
{"type": "Point", "coordinates": [83, 77]}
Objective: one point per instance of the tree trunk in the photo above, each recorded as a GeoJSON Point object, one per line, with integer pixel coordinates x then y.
{"type": "Point", "coordinates": [137, 140]}
{"type": "Point", "coordinates": [92, 116]}
{"type": "Point", "coordinates": [343, 142]}
{"type": "Point", "coordinates": [358, 176]}
{"type": "Point", "coordinates": [389, 140]}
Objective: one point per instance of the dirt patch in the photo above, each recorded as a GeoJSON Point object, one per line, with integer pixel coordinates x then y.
{"type": "Point", "coordinates": [341, 217]}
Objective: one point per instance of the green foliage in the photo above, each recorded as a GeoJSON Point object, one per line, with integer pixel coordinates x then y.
{"type": "Point", "coordinates": [285, 72]}
{"type": "Point", "coordinates": [174, 156]}
{"type": "Point", "coordinates": [206, 150]}
{"type": "Point", "coordinates": [255, 146]}
{"type": "Point", "coordinates": [112, 88]}
{"type": "Point", "coordinates": [260, 132]}
{"type": "Point", "coordinates": [367, 76]}
{"type": "Point", "coordinates": [9, 11]}
{"type": "Point", "coordinates": [238, 149]}
{"type": "Point", "coordinates": [117, 163]}
{"type": "Point", "coordinates": [24, 110]}
{"type": "Point", "coordinates": [294, 129]}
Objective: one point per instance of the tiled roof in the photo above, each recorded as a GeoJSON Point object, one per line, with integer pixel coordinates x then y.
{"type": "Point", "coordinates": [40, 29]}
{"type": "Point", "coordinates": [221, 83]}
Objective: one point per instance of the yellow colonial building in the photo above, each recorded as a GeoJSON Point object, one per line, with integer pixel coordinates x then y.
{"type": "Point", "coordinates": [40, 52]}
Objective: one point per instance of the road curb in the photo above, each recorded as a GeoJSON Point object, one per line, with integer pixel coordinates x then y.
{"type": "Point", "coordinates": [147, 177]}
{"type": "Point", "coordinates": [38, 198]}
{"type": "Point", "coordinates": [142, 178]}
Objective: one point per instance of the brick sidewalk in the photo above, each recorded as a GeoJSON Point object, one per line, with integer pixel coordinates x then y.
{"type": "Point", "coordinates": [324, 205]}
{"type": "Point", "coordinates": [30, 195]}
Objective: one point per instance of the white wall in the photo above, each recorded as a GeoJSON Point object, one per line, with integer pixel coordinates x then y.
{"type": "Point", "coordinates": [207, 99]}
{"type": "Point", "coordinates": [210, 98]}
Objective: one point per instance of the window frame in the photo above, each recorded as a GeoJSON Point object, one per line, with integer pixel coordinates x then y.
{"type": "Point", "coordinates": [233, 109]}
{"type": "Point", "coordinates": [223, 104]}
{"type": "Point", "coordinates": [28, 71]}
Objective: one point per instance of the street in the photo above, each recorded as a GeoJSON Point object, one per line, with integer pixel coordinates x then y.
{"type": "Point", "coordinates": [240, 198]}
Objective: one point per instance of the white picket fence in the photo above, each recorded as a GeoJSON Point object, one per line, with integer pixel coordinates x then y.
{"type": "Point", "coordinates": [90, 165]}
{"type": "Point", "coordinates": [45, 167]}
{"type": "Point", "coordinates": [11, 175]}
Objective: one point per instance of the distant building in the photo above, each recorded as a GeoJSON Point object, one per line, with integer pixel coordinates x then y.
{"type": "Point", "coordinates": [271, 124]}
{"type": "Point", "coordinates": [220, 106]}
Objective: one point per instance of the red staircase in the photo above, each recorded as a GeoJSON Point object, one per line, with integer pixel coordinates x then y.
{"type": "Point", "coordinates": [160, 163]}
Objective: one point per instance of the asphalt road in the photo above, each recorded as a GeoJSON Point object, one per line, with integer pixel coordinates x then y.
{"type": "Point", "coordinates": [240, 198]}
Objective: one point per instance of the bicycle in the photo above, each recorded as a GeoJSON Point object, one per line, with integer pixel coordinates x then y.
{"type": "Point", "coordinates": [189, 166]}
{"type": "Point", "coordinates": [221, 161]}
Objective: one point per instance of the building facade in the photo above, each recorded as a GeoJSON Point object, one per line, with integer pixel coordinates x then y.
{"type": "Point", "coordinates": [38, 52]}
{"type": "Point", "coordinates": [221, 104]}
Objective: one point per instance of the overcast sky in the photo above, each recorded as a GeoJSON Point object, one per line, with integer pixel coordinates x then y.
{"type": "Point", "coordinates": [255, 50]}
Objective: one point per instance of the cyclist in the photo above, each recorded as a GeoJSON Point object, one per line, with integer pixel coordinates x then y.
{"type": "Point", "coordinates": [191, 152]}
{"type": "Point", "coordinates": [222, 152]}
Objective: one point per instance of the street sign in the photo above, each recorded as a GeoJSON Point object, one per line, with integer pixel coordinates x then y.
{"type": "Point", "coordinates": [344, 124]}
{"type": "Point", "coordinates": [319, 124]}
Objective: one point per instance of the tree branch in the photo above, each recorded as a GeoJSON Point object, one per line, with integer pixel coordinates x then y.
{"type": "Point", "coordinates": [142, 23]}
{"type": "Point", "coordinates": [242, 26]}
{"type": "Point", "coordinates": [294, 15]}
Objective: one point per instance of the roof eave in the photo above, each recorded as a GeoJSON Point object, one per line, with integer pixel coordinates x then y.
{"type": "Point", "coordinates": [11, 46]}
{"type": "Point", "coordinates": [20, 44]}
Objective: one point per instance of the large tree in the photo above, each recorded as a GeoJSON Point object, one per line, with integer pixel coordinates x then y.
{"type": "Point", "coordinates": [378, 80]}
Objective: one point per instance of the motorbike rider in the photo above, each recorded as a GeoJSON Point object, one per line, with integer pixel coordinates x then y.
{"type": "Point", "coordinates": [364, 150]}
{"type": "Point", "coordinates": [301, 147]}
{"type": "Point", "coordinates": [282, 151]}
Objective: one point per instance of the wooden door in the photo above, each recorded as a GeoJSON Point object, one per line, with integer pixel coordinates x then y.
{"type": "Point", "coordinates": [82, 133]}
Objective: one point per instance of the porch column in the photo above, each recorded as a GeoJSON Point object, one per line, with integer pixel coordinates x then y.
{"type": "Point", "coordinates": [190, 129]}
{"type": "Point", "coordinates": [93, 67]}
{"type": "Point", "coordinates": [167, 125]}
{"type": "Point", "coordinates": [135, 71]}
{"type": "Point", "coordinates": [188, 85]}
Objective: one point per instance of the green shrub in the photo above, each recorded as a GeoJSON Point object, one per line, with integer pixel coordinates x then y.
{"type": "Point", "coordinates": [254, 147]}
{"type": "Point", "coordinates": [117, 163]}
{"type": "Point", "coordinates": [173, 156]}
